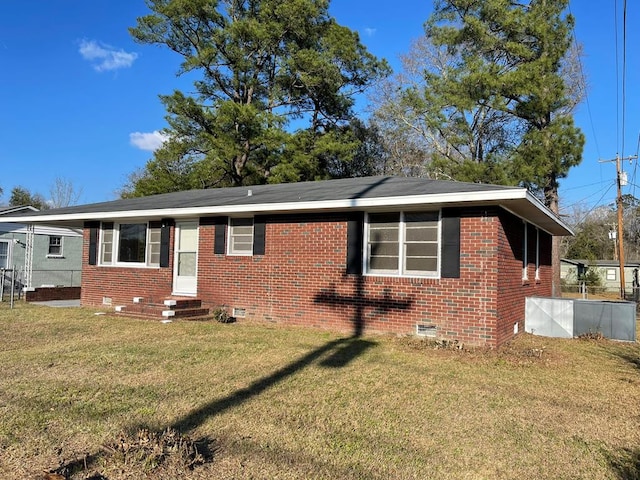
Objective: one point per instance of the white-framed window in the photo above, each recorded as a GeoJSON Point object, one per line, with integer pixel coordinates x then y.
{"type": "Point", "coordinates": [153, 247]}
{"type": "Point", "coordinates": [129, 244]}
{"type": "Point", "coordinates": [403, 243]}
{"type": "Point", "coordinates": [55, 246]}
{"type": "Point", "coordinates": [106, 244]}
{"type": "Point", "coordinates": [240, 241]}
{"type": "Point", "coordinates": [5, 254]}
{"type": "Point", "coordinates": [611, 274]}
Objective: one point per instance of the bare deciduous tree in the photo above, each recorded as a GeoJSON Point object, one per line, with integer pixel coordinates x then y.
{"type": "Point", "coordinates": [63, 193]}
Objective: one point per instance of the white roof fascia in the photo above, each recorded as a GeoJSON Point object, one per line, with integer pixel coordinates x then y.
{"type": "Point", "coordinates": [493, 197]}
{"type": "Point", "coordinates": [464, 197]}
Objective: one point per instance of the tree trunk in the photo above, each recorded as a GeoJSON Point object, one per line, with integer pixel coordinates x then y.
{"type": "Point", "coordinates": [551, 201]}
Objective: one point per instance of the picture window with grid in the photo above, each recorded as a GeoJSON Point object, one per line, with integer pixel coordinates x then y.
{"type": "Point", "coordinates": [132, 244]}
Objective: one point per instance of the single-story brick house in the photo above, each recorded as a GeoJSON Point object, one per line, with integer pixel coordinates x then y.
{"type": "Point", "coordinates": [387, 254]}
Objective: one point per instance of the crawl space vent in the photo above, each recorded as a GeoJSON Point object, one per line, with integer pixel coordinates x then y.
{"type": "Point", "coordinates": [239, 313]}
{"type": "Point", "coordinates": [424, 330]}
{"type": "Point", "coordinates": [106, 300]}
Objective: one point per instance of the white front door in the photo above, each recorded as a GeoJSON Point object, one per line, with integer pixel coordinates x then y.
{"type": "Point", "coordinates": [185, 270]}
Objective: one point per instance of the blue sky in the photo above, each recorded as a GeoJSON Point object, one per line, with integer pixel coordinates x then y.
{"type": "Point", "coordinates": [80, 98]}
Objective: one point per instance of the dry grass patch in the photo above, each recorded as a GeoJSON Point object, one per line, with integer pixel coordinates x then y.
{"type": "Point", "coordinates": [271, 402]}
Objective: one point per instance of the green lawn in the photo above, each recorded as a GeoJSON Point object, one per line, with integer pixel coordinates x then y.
{"type": "Point", "coordinates": [272, 402]}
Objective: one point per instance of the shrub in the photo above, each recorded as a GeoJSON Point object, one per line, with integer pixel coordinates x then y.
{"type": "Point", "coordinates": [221, 315]}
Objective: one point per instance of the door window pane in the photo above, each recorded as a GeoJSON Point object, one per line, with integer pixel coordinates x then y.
{"type": "Point", "coordinates": [188, 239]}
{"type": "Point", "coordinates": [187, 264]}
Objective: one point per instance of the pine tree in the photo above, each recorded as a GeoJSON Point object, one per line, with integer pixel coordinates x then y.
{"type": "Point", "coordinates": [277, 87]}
{"type": "Point", "coordinates": [511, 61]}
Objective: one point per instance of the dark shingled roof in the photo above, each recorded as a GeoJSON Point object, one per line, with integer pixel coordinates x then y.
{"type": "Point", "coordinates": [334, 194]}
{"type": "Point", "coordinates": [342, 189]}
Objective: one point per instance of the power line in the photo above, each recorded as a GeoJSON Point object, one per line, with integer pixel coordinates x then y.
{"type": "Point", "coordinates": [584, 186]}
{"type": "Point", "coordinates": [596, 205]}
{"type": "Point", "coordinates": [584, 200]}
{"type": "Point", "coordinates": [615, 23]}
{"type": "Point", "coordinates": [624, 71]}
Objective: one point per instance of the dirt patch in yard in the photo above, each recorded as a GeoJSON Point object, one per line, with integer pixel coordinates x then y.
{"type": "Point", "coordinates": [525, 349]}
{"type": "Point", "coordinates": [144, 454]}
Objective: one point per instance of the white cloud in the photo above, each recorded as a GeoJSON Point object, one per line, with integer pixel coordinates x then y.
{"type": "Point", "coordinates": [147, 141]}
{"type": "Point", "coordinates": [104, 57]}
{"type": "Point", "coordinates": [369, 32]}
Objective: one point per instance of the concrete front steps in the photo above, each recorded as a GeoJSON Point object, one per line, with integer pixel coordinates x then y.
{"type": "Point", "coordinates": [171, 308]}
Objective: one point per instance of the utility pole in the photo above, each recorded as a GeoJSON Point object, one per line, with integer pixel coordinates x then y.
{"type": "Point", "coordinates": [620, 228]}
{"type": "Point", "coordinates": [621, 181]}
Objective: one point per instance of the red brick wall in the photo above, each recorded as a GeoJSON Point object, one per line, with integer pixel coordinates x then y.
{"type": "Point", "coordinates": [302, 280]}
{"type": "Point", "coordinates": [512, 288]}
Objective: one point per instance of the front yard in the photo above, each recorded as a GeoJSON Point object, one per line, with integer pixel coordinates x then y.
{"type": "Point", "coordinates": [266, 402]}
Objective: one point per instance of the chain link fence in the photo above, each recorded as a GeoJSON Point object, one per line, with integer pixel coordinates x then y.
{"type": "Point", "coordinates": [589, 292]}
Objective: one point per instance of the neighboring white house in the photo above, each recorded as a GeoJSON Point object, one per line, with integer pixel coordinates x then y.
{"type": "Point", "coordinates": [39, 255]}
{"type": "Point", "coordinates": [572, 272]}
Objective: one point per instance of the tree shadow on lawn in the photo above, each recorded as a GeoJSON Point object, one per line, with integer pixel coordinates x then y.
{"type": "Point", "coordinates": [629, 352]}
{"type": "Point", "coordinates": [625, 463]}
{"type": "Point", "coordinates": [335, 354]}
{"type": "Point", "coordinates": [338, 353]}
{"type": "Point", "coordinates": [630, 356]}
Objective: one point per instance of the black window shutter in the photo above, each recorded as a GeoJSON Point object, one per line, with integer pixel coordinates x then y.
{"type": "Point", "coordinates": [93, 241]}
{"type": "Point", "coordinates": [259, 229]}
{"type": "Point", "coordinates": [450, 244]}
{"type": "Point", "coordinates": [220, 235]}
{"type": "Point", "coordinates": [165, 241]}
{"type": "Point", "coordinates": [355, 226]}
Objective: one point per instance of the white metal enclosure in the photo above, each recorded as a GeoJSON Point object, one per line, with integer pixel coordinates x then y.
{"type": "Point", "coordinates": [568, 318]}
